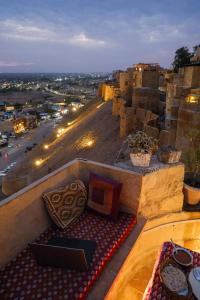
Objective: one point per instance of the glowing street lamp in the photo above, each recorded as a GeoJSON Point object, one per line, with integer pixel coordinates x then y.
{"type": "Point", "coordinates": [90, 143]}
{"type": "Point", "coordinates": [60, 130]}
{"type": "Point", "coordinates": [38, 162]}
{"type": "Point", "coordinates": [46, 147]}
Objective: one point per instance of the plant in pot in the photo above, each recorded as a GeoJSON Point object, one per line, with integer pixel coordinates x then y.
{"type": "Point", "coordinates": [169, 154]}
{"type": "Point", "coordinates": [191, 188]}
{"type": "Point", "coordinates": [140, 147]}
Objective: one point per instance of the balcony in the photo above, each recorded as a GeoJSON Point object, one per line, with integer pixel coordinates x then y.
{"type": "Point", "coordinates": [155, 198]}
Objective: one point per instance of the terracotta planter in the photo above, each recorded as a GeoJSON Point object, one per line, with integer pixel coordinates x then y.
{"type": "Point", "coordinates": [191, 194]}
{"type": "Point", "coordinates": [169, 157]}
{"type": "Point", "coordinates": [140, 159]}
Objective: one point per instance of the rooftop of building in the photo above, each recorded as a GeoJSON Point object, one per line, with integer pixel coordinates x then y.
{"type": "Point", "coordinates": [155, 198]}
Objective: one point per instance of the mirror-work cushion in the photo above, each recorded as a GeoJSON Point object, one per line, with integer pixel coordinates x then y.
{"type": "Point", "coordinates": [104, 195]}
{"type": "Point", "coordinates": [66, 203]}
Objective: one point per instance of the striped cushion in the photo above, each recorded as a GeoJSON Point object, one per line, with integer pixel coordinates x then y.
{"type": "Point", "coordinates": [66, 203]}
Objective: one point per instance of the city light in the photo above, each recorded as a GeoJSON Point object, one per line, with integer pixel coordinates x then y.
{"type": "Point", "coordinates": [70, 123]}
{"type": "Point", "coordinates": [90, 143]}
{"type": "Point", "coordinates": [192, 99]}
{"type": "Point", "coordinates": [100, 105]}
{"type": "Point", "coordinates": [60, 130]}
{"type": "Point", "coordinates": [38, 162]}
{"type": "Point", "coordinates": [58, 135]}
{"type": "Point", "coordinates": [74, 109]}
{"type": "Point", "coordinates": [46, 147]}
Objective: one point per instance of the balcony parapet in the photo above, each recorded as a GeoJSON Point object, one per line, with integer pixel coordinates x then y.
{"type": "Point", "coordinates": [23, 216]}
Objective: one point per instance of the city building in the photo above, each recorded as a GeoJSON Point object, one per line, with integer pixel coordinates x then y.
{"type": "Point", "coordinates": [22, 123]}
{"type": "Point", "coordinates": [182, 102]}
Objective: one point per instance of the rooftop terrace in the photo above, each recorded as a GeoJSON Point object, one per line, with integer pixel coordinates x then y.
{"type": "Point", "coordinates": [155, 198]}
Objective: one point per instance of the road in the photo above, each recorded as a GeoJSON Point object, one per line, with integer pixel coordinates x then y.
{"type": "Point", "coordinates": [93, 135]}
{"type": "Point", "coordinates": [16, 152]}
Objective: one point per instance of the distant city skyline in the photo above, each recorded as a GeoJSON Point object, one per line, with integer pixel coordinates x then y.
{"type": "Point", "coordinates": [92, 35]}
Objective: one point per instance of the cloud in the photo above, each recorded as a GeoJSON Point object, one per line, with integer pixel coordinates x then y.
{"type": "Point", "coordinates": [158, 28]}
{"type": "Point", "coordinates": [13, 64]}
{"type": "Point", "coordinates": [27, 31]}
{"type": "Point", "coordinates": [82, 40]}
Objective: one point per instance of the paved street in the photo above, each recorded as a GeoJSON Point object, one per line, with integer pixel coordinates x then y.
{"type": "Point", "coordinates": [16, 152]}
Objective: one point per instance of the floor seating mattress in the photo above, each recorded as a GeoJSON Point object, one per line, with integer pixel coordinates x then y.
{"type": "Point", "coordinates": [24, 279]}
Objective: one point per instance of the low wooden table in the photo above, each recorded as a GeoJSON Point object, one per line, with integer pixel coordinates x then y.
{"type": "Point", "coordinates": [155, 290]}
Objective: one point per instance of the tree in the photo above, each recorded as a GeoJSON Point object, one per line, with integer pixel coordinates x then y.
{"type": "Point", "coordinates": [195, 48]}
{"type": "Point", "coordinates": [182, 57]}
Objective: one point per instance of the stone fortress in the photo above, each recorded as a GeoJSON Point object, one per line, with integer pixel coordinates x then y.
{"type": "Point", "coordinates": [164, 104]}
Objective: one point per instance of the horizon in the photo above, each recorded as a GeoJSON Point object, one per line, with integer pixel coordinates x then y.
{"type": "Point", "coordinates": [92, 37]}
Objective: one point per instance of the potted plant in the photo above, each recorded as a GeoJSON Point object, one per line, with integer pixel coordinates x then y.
{"type": "Point", "coordinates": [191, 188]}
{"type": "Point", "coordinates": [140, 147]}
{"type": "Point", "coordinates": [169, 154]}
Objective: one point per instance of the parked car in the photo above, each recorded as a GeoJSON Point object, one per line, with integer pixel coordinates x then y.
{"type": "Point", "coordinates": [29, 148]}
{"type": "Point", "coordinates": [2, 173]}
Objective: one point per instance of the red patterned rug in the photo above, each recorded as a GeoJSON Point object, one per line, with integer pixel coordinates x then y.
{"type": "Point", "coordinates": [23, 279]}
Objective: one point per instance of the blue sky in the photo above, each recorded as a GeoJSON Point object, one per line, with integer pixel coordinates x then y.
{"type": "Point", "coordinates": [93, 35]}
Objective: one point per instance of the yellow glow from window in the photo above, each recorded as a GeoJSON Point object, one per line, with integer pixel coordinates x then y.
{"type": "Point", "coordinates": [192, 99]}
{"type": "Point", "coordinates": [19, 127]}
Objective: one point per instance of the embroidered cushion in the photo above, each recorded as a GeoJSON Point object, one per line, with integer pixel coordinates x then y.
{"type": "Point", "coordinates": [66, 203]}
{"type": "Point", "coordinates": [104, 195]}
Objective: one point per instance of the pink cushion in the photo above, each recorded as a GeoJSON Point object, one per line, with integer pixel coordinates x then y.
{"type": "Point", "coordinates": [104, 195]}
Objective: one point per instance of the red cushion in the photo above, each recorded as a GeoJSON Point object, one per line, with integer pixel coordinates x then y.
{"type": "Point", "coordinates": [104, 194]}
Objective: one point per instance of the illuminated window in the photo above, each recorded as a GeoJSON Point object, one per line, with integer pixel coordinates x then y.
{"type": "Point", "coordinates": [192, 99]}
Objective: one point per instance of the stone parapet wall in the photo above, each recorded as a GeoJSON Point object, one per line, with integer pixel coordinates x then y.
{"type": "Point", "coordinates": [164, 137]}
{"type": "Point", "coordinates": [23, 216]}
{"type": "Point", "coordinates": [128, 121]}
{"type": "Point", "coordinates": [162, 192]}
{"type": "Point", "coordinates": [118, 106]}
{"type": "Point", "coordinates": [188, 126]}
{"type": "Point", "coordinates": [146, 98]}
{"type": "Point", "coordinates": [132, 119]}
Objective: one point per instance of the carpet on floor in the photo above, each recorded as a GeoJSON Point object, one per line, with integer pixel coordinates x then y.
{"type": "Point", "coordinates": [24, 279]}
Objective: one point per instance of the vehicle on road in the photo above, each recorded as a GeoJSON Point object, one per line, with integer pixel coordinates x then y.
{"type": "Point", "coordinates": [29, 148]}
{"type": "Point", "coordinates": [3, 173]}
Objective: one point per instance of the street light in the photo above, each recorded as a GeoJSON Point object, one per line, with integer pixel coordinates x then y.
{"type": "Point", "coordinates": [38, 162]}
{"type": "Point", "coordinates": [46, 147]}
{"type": "Point", "coordinates": [90, 143]}
{"type": "Point", "coordinates": [60, 130]}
